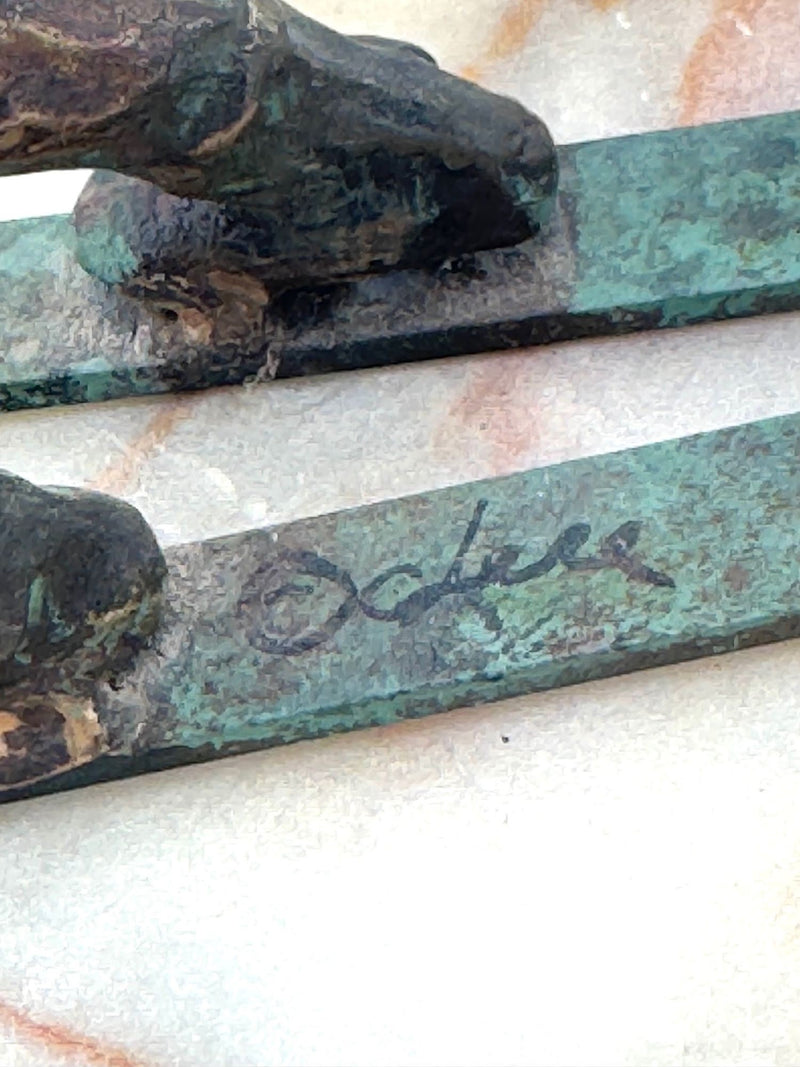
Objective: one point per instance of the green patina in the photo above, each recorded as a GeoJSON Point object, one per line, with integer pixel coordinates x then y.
{"type": "Point", "coordinates": [718, 516]}
{"type": "Point", "coordinates": [466, 595]}
{"type": "Point", "coordinates": [687, 218]}
{"type": "Point", "coordinates": [658, 230]}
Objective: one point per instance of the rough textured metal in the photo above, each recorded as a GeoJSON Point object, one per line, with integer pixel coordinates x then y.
{"type": "Point", "coordinates": [467, 595]}
{"type": "Point", "coordinates": [658, 230]}
{"type": "Point", "coordinates": [80, 595]}
{"type": "Point", "coordinates": [306, 154]}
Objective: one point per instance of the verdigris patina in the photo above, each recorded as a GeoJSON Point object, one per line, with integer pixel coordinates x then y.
{"type": "Point", "coordinates": [474, 593]}
{"type": "Point", "coordinates": [284, 200]}
{"type": "Point", "coordinates": [653, 231]}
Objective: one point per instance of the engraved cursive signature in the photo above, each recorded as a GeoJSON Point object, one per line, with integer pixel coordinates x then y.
{"type": "Point", "coordinates": [497, 568]}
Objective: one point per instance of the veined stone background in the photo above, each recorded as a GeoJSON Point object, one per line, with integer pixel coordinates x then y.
{"type": "Point", "coordinates": [619, 883]}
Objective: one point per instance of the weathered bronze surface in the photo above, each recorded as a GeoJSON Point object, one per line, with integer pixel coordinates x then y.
{"type": "Point", "coordinates": [279, 200]}
{"type": "Point", "coordinates": [80, 596]}
{"type": "Point", "coordinates": [659, 230]}
{"type": "Point", "coordinates": [307, 155]}
{"type": "Point", "coordinates": [471, 594]}
{"type": "Point", "coordinates": [275, 199]}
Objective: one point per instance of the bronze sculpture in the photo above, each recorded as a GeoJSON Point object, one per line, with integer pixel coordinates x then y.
{"type": "Point", "coordinates": [249, 139]}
